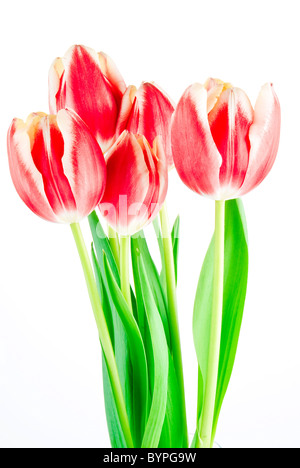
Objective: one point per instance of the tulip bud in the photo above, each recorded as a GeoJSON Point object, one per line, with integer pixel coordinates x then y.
{"type": "Point", "coordinates": [91, 85]}
{"type": "Point", "coordinates": [56, 165]}
{"type": "Point", "coordinates": [137, 180]}
{"type": "Point", "coordinates": [148, 111]}
{"type": "Point", "coordinates": [222, 148]}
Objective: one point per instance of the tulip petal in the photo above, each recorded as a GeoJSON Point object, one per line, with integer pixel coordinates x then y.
{"type": "Point", "coordinates": [47, 152]}
{"type": "Point", "coordinates": [264, 137]}
{"type": "Point", "coordinates": [151, 201]}
{"type": "Point", "coordinates": [132, 184]}
{"type": "Point", "coordinates": [151, 116]}
{"type": "Point", "coordinates": [161, 168]}
{"type": "Point", "coordinates": [83, 162]}
{"type": "Point", "coordinates": [230, 120]}
{"type": "Point", "coordinates": [57, 165]}
{"type": "Point", "coordinates": [26, 178]}
{"type": "Point", "coordinates": [111, 72]}
{"type": "Point", "coordinates": [85, 88]}
{"type": "Point", "coordinates": [57, 89]}
{"type": "Point", "coordinates": [214, 89]}
{"type": "Point", "coordinates": [195, 154]}
{"type": "Point", "coordinates": [128, 100]}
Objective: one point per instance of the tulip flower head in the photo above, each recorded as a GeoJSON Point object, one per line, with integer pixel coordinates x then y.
{"type": "Point", "coordinates": [222, 147]}
{"type": "Point", "coordinates": [56, 165]}
{"type": "Point", "coordinates": [137, 181]}
{"type": "Point", "coordinates": [89, 83]}
{"type": "Point", "coordinates": [148, 111]}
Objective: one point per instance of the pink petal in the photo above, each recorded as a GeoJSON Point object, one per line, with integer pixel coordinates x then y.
{"type": "Point", "coordinates": [47, 152]}
{"type": "Point", "coordinates": [84, 88]}
{"type": "Point", "coordinates": [195, 154]}
{"type": "Point", "coordinates": [230, 120]}
{"type": "Point", "coordinates": [151, 116]}
{"type": "Point", "coordinates": [57, 89]}
{"type": "Point", "coordinates": [83, 162]}
{"type": "Point", "coordinates": [150, 201]}
{"type": "Point", "coordinates": [26, 178]}
{"type": "Point", "coordinates": [112, 74]}
{"type": "Point", "coordinates": [214, 89]}
{"type": "Point", "coordinates": [161, 168]}
{"type": "Point", "coordinates": [57, 165]}
{"type": "Point", "coordinates": [131, 184]}
{"type": "Point", "coordinates": [128, 100]}
{"type": "Point", "coordinates": [264, 137]}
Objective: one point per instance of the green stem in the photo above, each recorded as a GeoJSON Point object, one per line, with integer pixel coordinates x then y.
{"type": "Point", "coordinates": [103, 333]}
{"type": "Point", "coordinates": [199, 398]}
{"type": "Point", "coordinates": [173, 313]}
{"type": "Point", "coordinates": [124, 268]}
{"type": "Point", "coordinates": [114, 244]}
{"type": "Point", "coordinates": [215, 329]}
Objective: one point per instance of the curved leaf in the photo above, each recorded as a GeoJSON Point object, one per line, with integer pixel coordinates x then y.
{"type": "Point", "coordinates": [175, 243]}
{"type": "Point", "coordinates": [172, 432]}
{"type": "Point", "coordinates": [201, 320]}
{"type": "Point", "coordinates": [116, 436]}
{"type": "Point", "coordinates": [116, 328]}
{"type": "Point", "coordinates": [101, 243]}
{"type": "Point", "coordinates": [137, 355]}
{"type": "Point", "coordinates": [140, 247]}
{"type": "Point", "coordinates": [161, 364]}
{"type": "Point", "coordinates": [235, 285]}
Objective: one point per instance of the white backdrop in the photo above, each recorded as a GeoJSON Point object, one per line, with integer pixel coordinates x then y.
{"type": "Point", "coordinates": [50, 364]}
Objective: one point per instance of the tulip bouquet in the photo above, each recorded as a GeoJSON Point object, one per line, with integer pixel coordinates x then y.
{"type": "Point", "coordinates": [104, 152]}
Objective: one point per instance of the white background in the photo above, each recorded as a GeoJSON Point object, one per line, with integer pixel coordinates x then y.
{"type": "Point", "coordinates": [50, 364]}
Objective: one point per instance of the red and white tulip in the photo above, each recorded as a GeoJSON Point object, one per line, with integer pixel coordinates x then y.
{"type": "Point", "coordinates": [56, 165]}
{"type": "Point", "coordinates": [222, 147]}
{"type": "Point", "coordinates": [137, 182]}
{"type": "Point", "coordinates": [148, 111]}
{"type": "Point", "coordinates": [89, 83]}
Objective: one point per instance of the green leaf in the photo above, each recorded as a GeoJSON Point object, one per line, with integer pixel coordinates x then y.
{"type": "Point", "coordinates": [201, 320]}
{"type": "Point", "coordinates": [172, 435]}
{"type": "Point", "coordinates": [196, 440]}
{"type": "Point", "coordinates": [156, 225]}
{"type": "Point", "coordinates": [101, 243]}
{"type": "Point", "coordinates": [116, 436]}
{"type": "Point", "coordinates": [137, 355]}
{"type": "Point", "coordinates": [103, 296]}
{"type": "Point", "coordinates": [116, 328]}
{"type": "Point", "coordinates": [113, 422]}
{"type": "Point", "coordinates": [161, 364]}
{"type": "Point", "coordinates": [175, 243]}
{"type": "Point", "coordinates": [235, 285]}
{"type": "Point", "coordinates": [140, 247]}
{"type": "Point", "coordinates": [141, 314]}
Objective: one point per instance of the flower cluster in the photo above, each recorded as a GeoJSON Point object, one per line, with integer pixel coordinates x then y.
{"type": "Point", "coordinates": [57, 162]}
{"type": "Point", "coordinates": [108, 146]}
{"type": "Point", "coordinates": [220, 146]}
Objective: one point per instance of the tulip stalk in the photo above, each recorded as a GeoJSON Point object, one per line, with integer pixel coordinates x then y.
{"type": "Point", "coordinates": [124, 269]}
{"type": "Point", "coordinates": [173, 312]}
{"type": "Point", "coordinates": [114, 244]}
{"type": "Point", "coordinates": [215, 328]}
{"type": "Point", "coordinates": [103, 332]}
